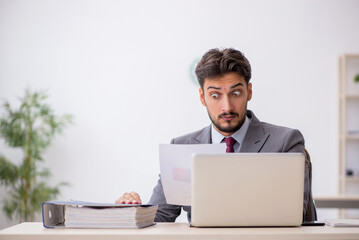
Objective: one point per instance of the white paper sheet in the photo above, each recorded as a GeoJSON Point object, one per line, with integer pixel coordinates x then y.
{"type": "Point", "coordinates": [175, 166]}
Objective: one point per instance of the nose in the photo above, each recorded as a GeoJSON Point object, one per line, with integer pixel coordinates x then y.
{"type": "Point", "coordinates": [226, 104]}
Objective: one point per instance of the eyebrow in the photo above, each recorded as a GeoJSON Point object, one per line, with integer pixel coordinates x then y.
{"type": "Point", "coordinates": [236, 85]}
{"type": "Point", "coordinates": [218, 88]}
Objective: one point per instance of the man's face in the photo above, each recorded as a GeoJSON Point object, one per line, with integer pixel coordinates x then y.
{"type": "Point", "coordinates": [225, 98]}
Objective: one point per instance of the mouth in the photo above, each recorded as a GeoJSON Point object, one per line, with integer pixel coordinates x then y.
{"type": "Point", "coordinates": [228, 116]}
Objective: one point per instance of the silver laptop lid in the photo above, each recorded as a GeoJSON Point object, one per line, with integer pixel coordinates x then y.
{"type": "Point", "coordinates": [247, 189]}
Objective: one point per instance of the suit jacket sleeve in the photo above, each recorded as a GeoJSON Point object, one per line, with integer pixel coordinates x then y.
{"type": "Point", "coordinates": [294, 142]}
{"type": "Point", "coordinates": [165, 212]}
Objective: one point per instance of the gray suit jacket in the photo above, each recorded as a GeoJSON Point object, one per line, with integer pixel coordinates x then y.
{"type": "Point", "coordinates": [260, 137]}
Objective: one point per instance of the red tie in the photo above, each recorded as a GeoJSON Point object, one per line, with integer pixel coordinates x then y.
{"type": "Point", "coordinates": [230, 143]}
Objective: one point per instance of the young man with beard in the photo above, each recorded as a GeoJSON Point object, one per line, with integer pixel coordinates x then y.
{"type": "Point", "coordinates": [225, 90]}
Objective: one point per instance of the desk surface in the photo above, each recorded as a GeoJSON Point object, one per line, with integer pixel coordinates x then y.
{"type": "Point", "coordinates": [170, 231]}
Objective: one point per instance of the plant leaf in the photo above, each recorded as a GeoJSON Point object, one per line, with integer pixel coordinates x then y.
{"type": "Point", "coordinates": [31, 127]}
{"type": "Point", "coordinates": [356, 78]}
{"type": "Point", "coordinates": [9, 172]}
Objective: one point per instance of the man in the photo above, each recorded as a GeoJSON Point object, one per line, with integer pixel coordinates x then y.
{"type": "Point", "coordinates": [225, 89]}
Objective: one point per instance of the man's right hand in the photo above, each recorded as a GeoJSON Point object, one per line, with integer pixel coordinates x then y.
{"type": "Point", "coordinates": [129, 198]}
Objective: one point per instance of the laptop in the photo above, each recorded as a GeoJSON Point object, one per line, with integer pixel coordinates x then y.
{"type": "Point", "coordinates": [247, 189]}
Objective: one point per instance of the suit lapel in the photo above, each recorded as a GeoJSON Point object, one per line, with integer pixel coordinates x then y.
{"type": "Point", "coordinates": [204, 136]}
{"type": "Point", "coordinates": [255, 136]}
{"type": "Point", "coordinates": [253, 141]}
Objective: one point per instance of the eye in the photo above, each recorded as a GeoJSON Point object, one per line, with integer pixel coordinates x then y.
{"type": "Point", "coordinates": [214, 95]}
{"type": "Point", "coordinates": [237, 93]}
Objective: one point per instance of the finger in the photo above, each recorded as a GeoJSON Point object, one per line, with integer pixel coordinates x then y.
{"type": "Point", "coordinates": [128, 197]}
{"type": "Point", "coordinates": [121, 200]}
{"type": "Point", "coordinates": [136, 197]}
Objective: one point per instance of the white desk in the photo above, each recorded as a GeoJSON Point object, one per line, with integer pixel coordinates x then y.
{"type": "Point", "coordinates": [168, 231]}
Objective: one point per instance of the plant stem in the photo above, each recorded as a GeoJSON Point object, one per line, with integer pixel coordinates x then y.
{"type": "Point", "coordinates": [28, 164]}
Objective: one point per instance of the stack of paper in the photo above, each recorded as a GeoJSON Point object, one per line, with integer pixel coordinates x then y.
{"type": "Point", "coordinates": [76, 214]}
{"type": "Point", "coordinates": [121, 217]}
{"type": "Point", "coordinates": [342, 222]}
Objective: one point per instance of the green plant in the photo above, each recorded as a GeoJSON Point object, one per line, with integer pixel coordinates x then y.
{"type": "Point", "coordinates": [356, 78]}
{"type": "Point", "coordinates": [31, 128]}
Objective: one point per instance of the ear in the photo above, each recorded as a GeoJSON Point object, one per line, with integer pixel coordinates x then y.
{"type": "Point", "coordinates": [201, 96]}
{"type": "Point", "coordinates": [249, 89]}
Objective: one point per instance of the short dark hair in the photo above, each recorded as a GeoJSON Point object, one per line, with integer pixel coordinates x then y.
{"type": "Point", "coordinates": [217, 62]}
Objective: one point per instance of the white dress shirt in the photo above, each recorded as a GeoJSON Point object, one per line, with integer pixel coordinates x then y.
{"type": "Point", "coordinates": [238, 135]}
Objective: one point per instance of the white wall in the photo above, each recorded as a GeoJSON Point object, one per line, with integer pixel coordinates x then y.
{"type": "Point", "coordinates": [122, 68]}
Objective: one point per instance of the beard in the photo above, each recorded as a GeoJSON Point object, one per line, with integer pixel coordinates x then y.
{"type": "Point", "coordinates": [228, 128]}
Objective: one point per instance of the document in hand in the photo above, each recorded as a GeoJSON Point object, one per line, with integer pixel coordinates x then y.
{"type": "Point", "coordinates": [78, 214]}
{"type": "Point", "coordinates": [175, 165]}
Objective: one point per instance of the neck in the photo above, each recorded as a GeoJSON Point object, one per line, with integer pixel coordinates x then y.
{"type": "Point", "coordinates": [227, 134]}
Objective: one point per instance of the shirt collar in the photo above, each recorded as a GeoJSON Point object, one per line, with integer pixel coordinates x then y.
{"type": "Point", "coordinates": [238, 135]}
